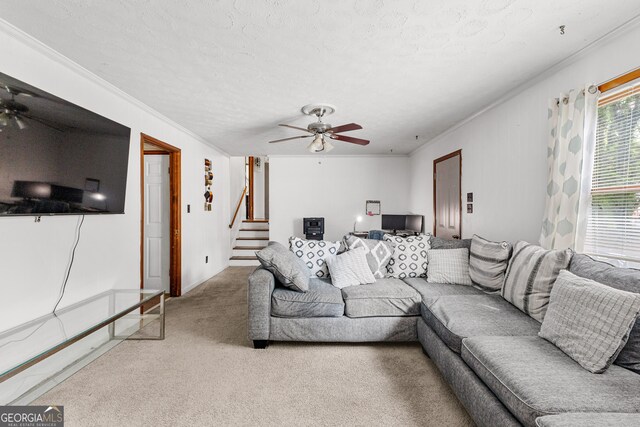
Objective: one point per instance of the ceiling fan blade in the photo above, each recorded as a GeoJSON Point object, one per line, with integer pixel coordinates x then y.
{"type": "Point", "coordinates": [350, 139]}
{"type": "Point", "coordinates": [48, 123]}
{"type": "Point", "coordinates": [296, 127]}
{"type": "Point", "coordinates": [345, 128]}
{"type": "Point", "coordinates": [288, 139]}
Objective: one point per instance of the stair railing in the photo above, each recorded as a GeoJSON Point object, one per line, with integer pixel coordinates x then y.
{"type": "Point", "coordinates": [235, 214]}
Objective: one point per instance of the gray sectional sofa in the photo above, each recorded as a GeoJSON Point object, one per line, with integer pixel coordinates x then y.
{"type": "Point", "coordinates": [486, 349]}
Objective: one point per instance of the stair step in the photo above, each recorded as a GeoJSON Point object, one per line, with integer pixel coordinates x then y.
{"type": "Point", "coordinates": [252, 238]}
{"type": "Point", "coordinates": [249, 248]}
{"type": "Point", "coordinates": [254, 229]}
{"type": "Point", "coordinates": [244, 258]}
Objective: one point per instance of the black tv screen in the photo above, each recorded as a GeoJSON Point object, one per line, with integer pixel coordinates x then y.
{"type": "Point", "coordinates": [56, 157]}
{"type": "Point", "coordinates": [393, 222]}
{"type": "Point", "coordinates": [414, 223]}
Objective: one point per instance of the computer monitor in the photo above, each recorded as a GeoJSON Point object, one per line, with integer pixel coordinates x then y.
{"type": "Point", "coordinates": [414, 223]}
{"type": "Point", "coordinates": [393, 222]}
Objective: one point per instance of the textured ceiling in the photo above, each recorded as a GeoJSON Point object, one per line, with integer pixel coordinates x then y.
{"type": "Point", "coordinates": [230, 71]}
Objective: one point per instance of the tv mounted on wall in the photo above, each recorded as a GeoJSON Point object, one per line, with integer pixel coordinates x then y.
{"type": "Point", "coordinates": [57, 158]}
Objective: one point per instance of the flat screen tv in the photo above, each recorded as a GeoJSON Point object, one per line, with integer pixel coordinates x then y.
{"type": "Point", "coordinates": [393, 222]}
{"type": "Point", "coordinates": [57, 158]}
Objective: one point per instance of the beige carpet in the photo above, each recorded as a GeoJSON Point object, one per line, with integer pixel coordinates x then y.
{"type": "Point", "coordinates": [206, 373]}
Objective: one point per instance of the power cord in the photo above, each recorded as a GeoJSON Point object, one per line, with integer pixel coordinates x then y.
{"type": "Point", "coordinates": [73, 256]}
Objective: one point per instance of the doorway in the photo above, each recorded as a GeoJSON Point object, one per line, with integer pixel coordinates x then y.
{"type": "Point", "coordinates": [160, 216]}
{"type": "Point", "coordinates": [447, 195]}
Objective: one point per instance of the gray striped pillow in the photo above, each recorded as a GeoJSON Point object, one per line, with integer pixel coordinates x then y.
{"type": "Point", "coordinates": [488, 262]}
{"type": "Point", "coordinates": [448, 266]}
{"type": "Point", "coordinates": [530, 276]}
{"type": "Point", "coordinates": [589, 321]}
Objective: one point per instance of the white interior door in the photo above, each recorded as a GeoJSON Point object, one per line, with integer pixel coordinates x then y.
{"type": "Point", "coordinates": [447, 188]}
{"type": "Point", "coordinates": [156, 222]}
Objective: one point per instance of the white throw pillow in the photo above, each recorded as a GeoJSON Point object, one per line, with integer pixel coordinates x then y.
{"type": "Point", "coordinates": [449, 266]}
{"type": "Point", "coordinates": [350, 268]}
{"type": "Point", "coordinates": [313, 253]}
{"type": "Point", "coordinates": [409, 256]}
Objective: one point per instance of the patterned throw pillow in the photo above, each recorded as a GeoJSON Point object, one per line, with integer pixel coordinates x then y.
{"type": "Point", "coordinates": [313, 253]}
{"type": "Point", "coordinates": [589, 321]}
{"type": "Point", "coordinates": [449, 266]}
{"type": "Point", "coordinates": [409, 256]}
{"type": "Point", "coordinates": [488, 262]}
{"type": "Point", "coordinates": [378, 253]}
{"type": "Point", "coordinates": [350, 269]}
{"type": "Point", "coordinates": [530, 276]}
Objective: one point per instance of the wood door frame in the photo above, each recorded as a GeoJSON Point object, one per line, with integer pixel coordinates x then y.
{"type": "Point", "coordinates": [251, 200]}
{"type": "Point", "coordinates": [435, 162]}
{"type": "Point", "coordinates": [175, 213]}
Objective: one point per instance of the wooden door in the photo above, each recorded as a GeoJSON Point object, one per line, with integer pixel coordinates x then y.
{"type": "Point", "coordinates": [156, 222]}
{"type": "Point", "coordinates": [447, 172]}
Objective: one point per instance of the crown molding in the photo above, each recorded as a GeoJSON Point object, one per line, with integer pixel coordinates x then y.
{"type": "Point", "coordinates": [38, 46]}
{"type": "Point", "coordinates": [548, 72]}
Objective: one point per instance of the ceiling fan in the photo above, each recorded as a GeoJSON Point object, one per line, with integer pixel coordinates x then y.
{"type": "Point", "coordinates": [13, 112]}
{"type": "Point", "coordinates": [320, 130]}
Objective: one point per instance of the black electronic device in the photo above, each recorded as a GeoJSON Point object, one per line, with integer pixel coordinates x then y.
{"type": "Point", "coordinates": [403, 224]}
{"type": "Point", "coordinates": [393, 222]}
{"type": "Point", "coordinates": [313, 228]}
{"type": "Point", "coordinates": [414, 223]}
{"type": "Point", "coordinates": [57, 157]}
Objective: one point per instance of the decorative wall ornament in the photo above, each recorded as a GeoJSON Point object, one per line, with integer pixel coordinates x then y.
{"type": "Point", "coordinates": [208, 181]}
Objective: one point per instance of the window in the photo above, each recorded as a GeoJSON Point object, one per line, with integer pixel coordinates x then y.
{"type": "Point", "coordinates": [613, 228]}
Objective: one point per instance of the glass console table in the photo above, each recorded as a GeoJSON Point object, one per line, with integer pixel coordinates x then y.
{"type": "Point", "coordinates": [25, 345]}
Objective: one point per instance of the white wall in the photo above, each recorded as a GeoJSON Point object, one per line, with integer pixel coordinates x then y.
{"type": "Point", "coordinates": [335, 188]}
{"type": "Point", "coordinates": [34, 256]}
{"type": "Point", "coordinates": [504, 149]}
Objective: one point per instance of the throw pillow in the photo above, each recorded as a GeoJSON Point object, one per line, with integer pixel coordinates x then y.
{"type": "Point", "coordinates": [589, 321]}
{"type": "Point", "coordinates": [487, 263]}
{"type": "Point", "coordinates": [530, 276]}
{"type": "Point", "coordinates": [625, 279]}
{"type": "Point", "coordinates": [378, 253]}
{"type": "Point", "coordinates": [290, 270]}
{"type": "Point", "coordinates": [440, 243]}
{"type": "Point", "coordinates": [350, 268]}
{"type": "Point", "coordinates": [449, 266]}
{"type": "Point", "coordinates": [313, 253]}
{"type": "Point", "coordinates": [409, 257]}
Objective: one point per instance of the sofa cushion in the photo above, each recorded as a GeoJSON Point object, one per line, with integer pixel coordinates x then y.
{"type": "Point", "coordinates": [385, 297]}
{"type": "Point", "coordinates": [534, 378]}
{"type": "Point", "coordinates": [290, 270]}
{"type": "Point", "coordinates": [321, 300]}
{"type": "Point", "coordinates": [530, 276]}
{"type": "Point", "coordinates": [409, 257]}
{"type": "Point", "coordinates": [440, 243]}
{"type": "Point", "coordinates": [456, 317]}
{"type": "Point", "coordinates": [350, 269]}
{"type": "Point", "coordinates": [589, 321]}
{"type": "Point", "coordinates": [582, 419]}
{"type": "Point", "coordinates": [430, 292]}
{"type": "Point", "coordinates": [448, 266]}
{"type": "Point", "coordinates": [378, 253]}
{"type": "Point", "coordinates": [626, 279]}
{"type": "Point", "coordinates": [313, 253]}
{"type": "Point", "coordinates": [487, 263]}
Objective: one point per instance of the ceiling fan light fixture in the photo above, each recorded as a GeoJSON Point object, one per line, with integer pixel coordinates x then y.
{"type": "Point", "coordinates": [317, 144]}
{"type": "Point", "coordinates": [328, 146]}
{"type": "Point", "coordinates": [4, 121]}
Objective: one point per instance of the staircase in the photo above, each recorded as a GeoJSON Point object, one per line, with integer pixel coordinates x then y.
{"type": "Point", "coordinates": [253, 236]}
